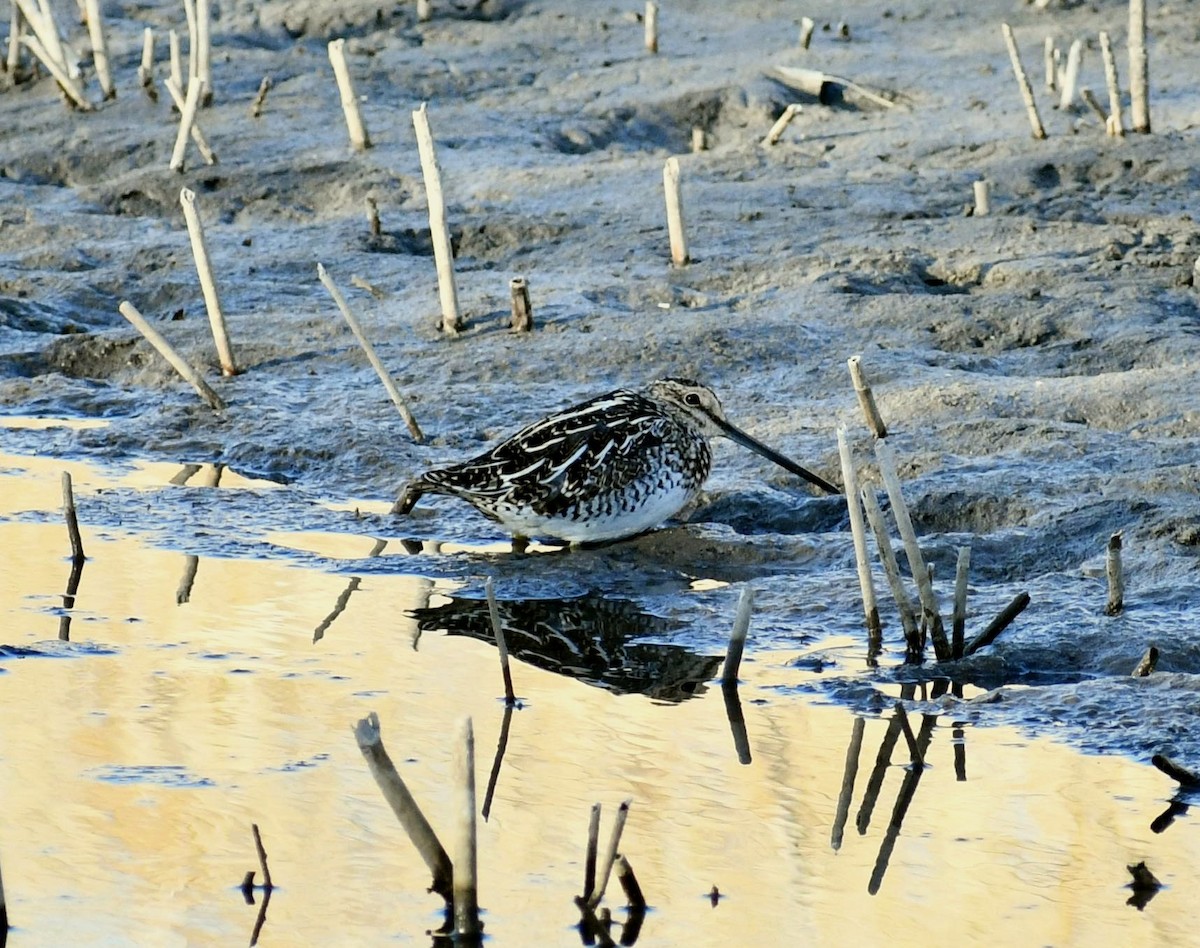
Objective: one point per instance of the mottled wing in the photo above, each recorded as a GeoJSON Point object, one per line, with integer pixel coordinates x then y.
{"type": "Point", "coordinates": [590, 450]}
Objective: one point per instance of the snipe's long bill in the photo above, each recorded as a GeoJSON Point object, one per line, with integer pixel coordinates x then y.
{"type": "Point", "coordinates": [611, 467]}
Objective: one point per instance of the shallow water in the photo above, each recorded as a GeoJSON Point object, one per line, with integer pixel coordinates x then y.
{"type": "Point", "coordinates": [137, 754]}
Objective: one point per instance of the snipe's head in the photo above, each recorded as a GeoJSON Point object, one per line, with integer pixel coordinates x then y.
{"type": "Point", "coordinates": [693, 403]}
{"type": "Point", "coordinates": [699, 406]}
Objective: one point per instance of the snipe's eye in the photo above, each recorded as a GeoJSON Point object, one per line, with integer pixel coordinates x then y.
{"type": "Point", "coordinates": [691, 398]}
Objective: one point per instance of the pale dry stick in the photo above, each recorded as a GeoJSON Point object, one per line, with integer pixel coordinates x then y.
{"type": "Point", "coordinates": [260, 97]}
{"type": "Point", "coordinates": [610, 854]}
{"type": "Point", "coordinates": [679, 248]}
{"type": "Point", "coordinates": [699, 139]}
{"type": "Point", "coordinates": [1035, 121]}
{"type": "Point", "coordinates": [16, 28]}
{"type": "Point", "coordinates": [212, 299]}
{"type": "Point", "coordinates": [737, 638]}
{"type": "Point", "coordinates": [413, 821]}
{"type": "Point", "coordinates": [100, 49]}
{"type": "Point", "coordinates": [806, 31]}
{"type": "Point", "coordinates": [262, 858]}
{"type": "Point", "coordinates": [1093, 103]}
{"type": "Point", "coordinates": [916, 561]}
{"type": "Point", "coordinates": [983, 200]}
{"type": "Point", "coordinates": [178, 363]}
{"type": "Point", "coordinates": [176, 59]}
{"type": "Point", "coordinates": [439, 229]}
{"type": "Point", "coordinates": [1071, 75]}
{"type": "Point", "coordinates": [1115, 124]}
{"type": "Point", "coordinates": [46, 27]}
{"type": "Point", "coordinates": [189, 12]}
{"type": "Point", "coordinates": [466, 895]}
{"type": "Point", "coordinates": [651, 19]}
{"type": "Point", "coordinates": [958, 622]}
{"type": "Point", "coordinates": [187, 116]}
{"type": "Point", "coordinates": [359, 140]}
{"type": "Point", "coordinates": [593, 845]}
{"type": "Point", "coordinates": [355, 327]}
{"type": "Point", "coordinates": [634, 897]}
{"type": "Point", "coordinates": [522, 309]}
{"type": "Point", "coordinates": [69, 87]}
{"type": "Point", "coordinates": [891, 569]}
{"type": "Point", "coordinates": [197, 135]}
{"type": "Point", "coordinates": [998, 624]}
{"type": "Point", "coordinates": [204, 49]}
{"type": "Point", "coordinates": [1116, 577]}
{"type": "Point", "coordinates": [72, 518]}
{"type": "Point", "coordinates": [858, 533]}
{"type": "Point", "coordinates": [146, 69]}
{"type": "Point", "coordinates": [866, 398]}
{"type": "Point", "coordinates": [1146, 666]}
{"type": "Point", "coordinates": [1049, 63]}
{"type": "Point", "coordinates": [781, 124]}
{"type": "Point", "coordinates": [489, 589]}
{"type": "Point", "coordinates": [1139, 68]}
{"type": "Point", "coordinates": [424, 11]}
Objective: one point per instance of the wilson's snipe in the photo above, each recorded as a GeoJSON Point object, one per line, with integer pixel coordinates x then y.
{"type": "Point", "coordinates": [608, 468]}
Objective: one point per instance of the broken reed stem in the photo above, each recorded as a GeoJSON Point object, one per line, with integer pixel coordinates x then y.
{"type": "Point", "coordinates": [522, 310]}
{"type": "Point", "coordinates": [983, 200]}
{"type": "Point", "coordinates": [998, 624]}
{"type": "Point", "coordinates": [359, 139]}
{"type": "Point", "coordinates": [1116, 577]}
{"type": "Point", "coordinates": [189, 13]}
{"type": "Point", "coordinates": [1071, 75]}
{"type": "Point", "coordinates": [175, 54]}
{"type": "Point", "coordinates": [1177, 772]}
{"type": "Point", "coordinates": [1139, 68]}
{"type": "Point", "coordinates": [891, 569]}
{"type": "Point", "coordinates": [355, 327]}
{"type": "Point", "coordinates": [72, 518]}
{"type": "Point", "coordinates": [610, 854]}
{"type": "Point", "coordinates": [146, 69]}
{"type": "Point", "coordinates": [1093, 103]}
{"type": "Point", "coordinates": [593, 845]}
{"type": "Point", "coordinates": [737, 638]}
{"type": "Point", "coordinates": [866, 398]}
{"type": "Point", "coordinates": [439, 230]}
{"type": "Point", "coordinates": [202, 145]}
{"type": "Point", "coordinates": [674, 196]}
{"type": "Point", "coordinates": [262, 858]}
{"type": "Point", "coordinates": [178, 363]}
{"type": "Point", "coordinates": [501, 643]}
{"type": "Point", "coordinates": [187, 118]}
{"type": "Point", "coordinates": [413, 821]}
{"type": "Point", "coordinates": [203, 50]}
{"type": "Point", "coordinates": [958, 622]}
{"type": "Point", "coordinates": [912, 549]}
{"type": "Point", "coordinates": [699, 139]}
{"type": "Point", "coordinates": [629, 884]}
{"type": "Point", "coordinates": [782, 123]}
{"type": "Point", "coordinates": [374, 225]}
{"type": "Point", "coordinates": [466, 896]}
{"type": "Point", "coordinates": [16, 27]}
{"type": "Point", "coordinates": [95, 24]}
{"type": "Point", "coordinates": [807, 25]}
{"type": "Point", "coordinates": [651, 20]}
{"type": "Point", "coordinates": [1049, 63]}
{"type": "Point", "coordinates": [424, 11]}
{"type": "Point", "coordinates": [212, 301]}
{"type": "Point", "coordinates": [1147, 665]}
{"type": "Point", "coordinates": [260, 97]}
{"type": "Point", "coordinates": [1115, 124]}
{"type": "Point", "coordinates": [1035, 121]}
{"type": "Point", "coordinates": [858, 532]}
{"type": "Point", "coordinates": [69, 87]}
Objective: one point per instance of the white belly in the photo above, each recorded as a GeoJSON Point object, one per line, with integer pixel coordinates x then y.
{"type": "Point", "coordinates": [656, 508]}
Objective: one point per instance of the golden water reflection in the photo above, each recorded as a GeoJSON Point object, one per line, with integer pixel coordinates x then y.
{"type": "Point", "coordinates": [130, 779]}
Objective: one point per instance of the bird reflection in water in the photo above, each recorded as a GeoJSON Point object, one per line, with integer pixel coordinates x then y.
{"type": "Point", "coordinates": [590, 638]}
